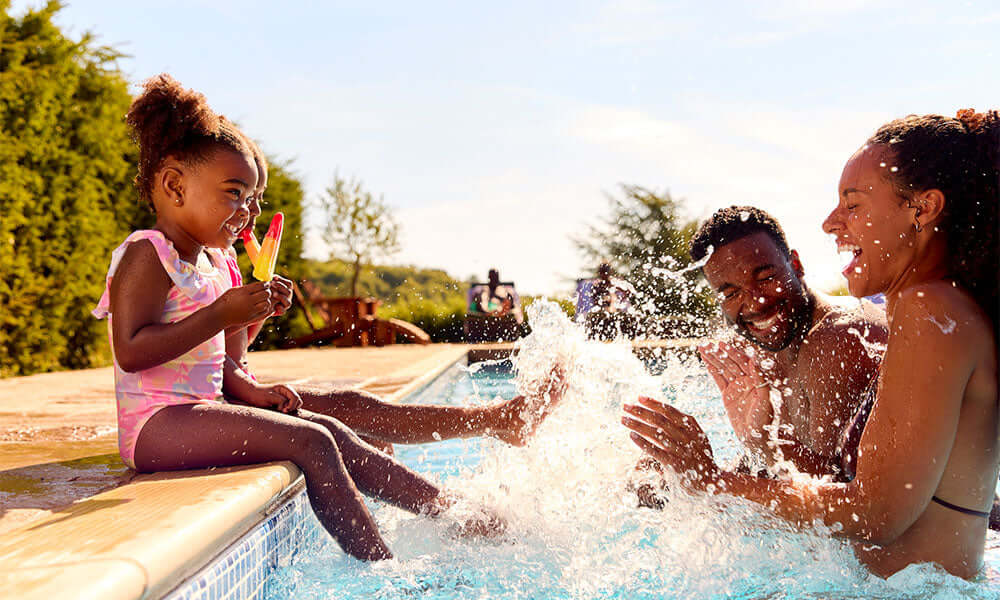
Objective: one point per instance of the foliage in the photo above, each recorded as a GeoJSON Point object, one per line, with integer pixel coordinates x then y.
{"type": "Point", "coordinates": [646, 240]}
{"type": "Point", "coordinates": [357, 223]}
{"type": "Point", "coordinates": [429, 298]}
{"type": "Point", "coordinates": [839, 290]}
{"type": "Point", "coordinates": [66, 198]}
{"type": "Point", "coordinates": [285, 195]}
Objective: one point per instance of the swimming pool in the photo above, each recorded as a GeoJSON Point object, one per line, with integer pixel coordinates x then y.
{"type": "Point", "coordinates": [574, 529]}
{"type": "Point", "coordinates": [617, 551]}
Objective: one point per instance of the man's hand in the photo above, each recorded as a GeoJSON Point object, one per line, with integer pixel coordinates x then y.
{"type": "Point", "coordinates": [745, 393]}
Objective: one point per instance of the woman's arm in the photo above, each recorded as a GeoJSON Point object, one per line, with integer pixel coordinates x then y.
{"type": "Point", "coordinates": [903, 450]}
{"type": "Point", "coordinates": [139, 291]}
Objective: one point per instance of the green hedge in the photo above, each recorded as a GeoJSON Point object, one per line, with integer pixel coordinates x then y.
{"type": "Point", "coordinates": [66, 199]}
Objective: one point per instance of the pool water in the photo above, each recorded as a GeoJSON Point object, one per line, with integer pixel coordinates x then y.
{"type": "Point", "coordinates": [574, 528]}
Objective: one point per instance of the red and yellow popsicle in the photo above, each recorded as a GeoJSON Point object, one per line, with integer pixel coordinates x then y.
{"type": "Point", "coordinates": [263, 269]}
{"type": "Point", "coordinates": [250, 244]}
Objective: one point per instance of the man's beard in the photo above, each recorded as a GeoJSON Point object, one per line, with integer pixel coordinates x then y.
{"type": "Point", "coordinates": [799, 321]}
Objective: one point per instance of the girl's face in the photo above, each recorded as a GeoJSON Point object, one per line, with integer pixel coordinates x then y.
{"type": "Point", "coordinates": [216, 198]}
{"type": "Point", "coordinates": [872, 223]}
{"type": "Point", "coordinates": [257, 198]}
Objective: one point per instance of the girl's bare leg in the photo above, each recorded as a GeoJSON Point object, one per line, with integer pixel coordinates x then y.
{"type": "Point", "coordinates": [196, 436]}
{"type": "Point", "coordinates": [377, 474]}
{"type": "Point", "coordinates": [371, 416]}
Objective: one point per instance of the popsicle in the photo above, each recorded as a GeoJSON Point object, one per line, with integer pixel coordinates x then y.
{"type": "Point", "coordinates": [251, 245]}
{"type": "Point", "coordinates": [264, 267]}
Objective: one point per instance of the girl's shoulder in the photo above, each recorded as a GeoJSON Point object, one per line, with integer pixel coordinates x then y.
{"type": "Point", "coordinates": [137, 254]}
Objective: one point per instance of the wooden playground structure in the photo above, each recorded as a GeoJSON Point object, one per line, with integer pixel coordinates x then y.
{"type": "Point", "coordinates": [349, 321]}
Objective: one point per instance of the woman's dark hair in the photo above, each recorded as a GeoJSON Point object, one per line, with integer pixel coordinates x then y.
{"type": "Point", "coordinates": [168, 120]}
{"type": "Point", "coordinates": [733, 223]}
{"type": "Point", "coordinates": [958, 156]}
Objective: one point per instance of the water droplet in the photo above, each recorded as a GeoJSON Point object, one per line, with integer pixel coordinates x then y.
{"type": "Point", "coordinates": [882, 164]}
{"type": "Point", "coordinates": [894, 169]}
{"type": "Point", "coordinates": [857, 269]}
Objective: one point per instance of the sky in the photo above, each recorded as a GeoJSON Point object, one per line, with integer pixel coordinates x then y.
{"type": "Point", "coordinates": [495, 131]}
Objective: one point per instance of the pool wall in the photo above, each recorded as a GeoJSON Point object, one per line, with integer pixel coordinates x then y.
{"type": "Point", "coordinates": [243, 571]}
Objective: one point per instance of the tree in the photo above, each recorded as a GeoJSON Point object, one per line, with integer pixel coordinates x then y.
{"type": "Point", "coordinates": [66, 194]}
{"type": "Point", "coordinates": [358, 224]}
{"type": "Point", "coordinates": [646, 239]}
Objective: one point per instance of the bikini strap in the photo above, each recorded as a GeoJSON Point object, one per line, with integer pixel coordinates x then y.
{"type": "Point", "coordinates": [961, 509]}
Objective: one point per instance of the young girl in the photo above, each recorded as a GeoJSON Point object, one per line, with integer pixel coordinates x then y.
{"type": "Point", "coordinates": [382, 423]}
{"type": "Point", "coordinates": [169, 300]}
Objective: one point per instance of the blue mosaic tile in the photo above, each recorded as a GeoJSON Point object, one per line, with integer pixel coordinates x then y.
{"type": "Point", "coordinates": [244, 570]}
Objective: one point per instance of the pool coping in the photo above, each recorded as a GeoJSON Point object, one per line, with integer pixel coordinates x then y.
{"type": "Point", "coordinates": [145, 538]}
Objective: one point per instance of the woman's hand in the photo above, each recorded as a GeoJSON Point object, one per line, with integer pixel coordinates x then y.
{"type": "Point", "coordinates": [672, 438]}
{"type": "Point", "coordinates": [745, 393]}
{"type": "Point", "coordinates": [279, 397]}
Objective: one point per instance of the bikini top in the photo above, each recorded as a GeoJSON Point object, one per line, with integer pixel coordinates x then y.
{"type": "Point", "coordinates": [850, 440]}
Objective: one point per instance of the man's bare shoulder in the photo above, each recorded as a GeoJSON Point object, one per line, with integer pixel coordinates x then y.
{"type": "Point", "coordinates": [846, 322]}
{"type": "Point", "coordinates": [848, 340]}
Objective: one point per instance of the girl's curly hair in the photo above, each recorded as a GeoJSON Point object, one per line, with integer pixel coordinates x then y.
{"type": "Point", "coordinates": [961, 157]}
{"type": "Point", "coordinates": [169, 120]}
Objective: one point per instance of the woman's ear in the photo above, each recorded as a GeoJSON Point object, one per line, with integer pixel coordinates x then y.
{"type": "Point", "coordinates": [170, 181]}
{"type": "Point", "coordinates": [928, 206]}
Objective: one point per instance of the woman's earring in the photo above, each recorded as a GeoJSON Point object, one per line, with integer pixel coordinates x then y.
{"type": "Point", "coordinates": [916, 224]}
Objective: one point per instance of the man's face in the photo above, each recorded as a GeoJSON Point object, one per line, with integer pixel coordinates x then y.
{"type": "Point", "coordinates": [760, 290]}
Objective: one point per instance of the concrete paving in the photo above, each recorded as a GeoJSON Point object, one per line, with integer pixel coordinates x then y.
{"type": "Point", "coordinates": [58, 440]}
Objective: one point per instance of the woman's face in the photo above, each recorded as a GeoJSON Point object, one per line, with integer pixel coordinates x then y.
{"type": "Point", "coordinates": [872, 223]}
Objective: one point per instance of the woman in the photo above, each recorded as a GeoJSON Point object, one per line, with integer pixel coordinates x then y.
{"type": "Point", "coordinates": [918, 211]}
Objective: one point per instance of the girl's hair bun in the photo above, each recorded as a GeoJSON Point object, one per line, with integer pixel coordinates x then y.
{"type": "Point", "coordinates": [169, 120]}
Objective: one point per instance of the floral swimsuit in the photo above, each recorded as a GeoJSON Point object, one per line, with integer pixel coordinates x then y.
{"type": "Point", "coordinates": [192, 378]}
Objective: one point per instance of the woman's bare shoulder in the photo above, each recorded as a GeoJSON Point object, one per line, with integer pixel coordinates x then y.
{"type": "Point", "coordinates": [945, 313]}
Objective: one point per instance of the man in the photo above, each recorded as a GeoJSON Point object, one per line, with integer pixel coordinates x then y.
{"type": "Point", "coordinates": [793, 384]}
{"type": "Point", "coordinates": [496, 299]}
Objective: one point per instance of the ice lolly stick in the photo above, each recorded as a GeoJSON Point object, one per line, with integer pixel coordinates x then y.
{"type": "Point", "coordinates": [250, 245]}
{"type": "Point", "coordinates": [264, 268]}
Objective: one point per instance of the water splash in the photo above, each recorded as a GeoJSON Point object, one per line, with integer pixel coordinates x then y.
{"type": "Point", "coordinates": [575, 530]}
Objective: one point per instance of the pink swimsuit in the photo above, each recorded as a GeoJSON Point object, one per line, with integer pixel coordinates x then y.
{"type": "Point", "coordinates": [194, 377]}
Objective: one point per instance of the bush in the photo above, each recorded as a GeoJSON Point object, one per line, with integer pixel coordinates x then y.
{"type": "Point", "coordinates": [66, 194]}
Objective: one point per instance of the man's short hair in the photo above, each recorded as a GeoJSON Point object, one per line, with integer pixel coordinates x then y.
{"type": "Point", "coordinates": [730, 224]}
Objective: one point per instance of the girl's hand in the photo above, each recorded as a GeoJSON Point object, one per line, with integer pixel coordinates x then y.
{"type": "Point", "coordinates": [674, 439]}
{"type": "Point", "coordinates": [281, 296]}
{"type": "Point", "coordinates": [245, 304]}
{"type": "Point", "coordinates": [278, 396]}
{"type": "Point", "coordinates": [745, 393]}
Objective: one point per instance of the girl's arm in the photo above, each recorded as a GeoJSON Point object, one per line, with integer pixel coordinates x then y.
{"type": "Point", "coordinates": [138, 294]}
{"type": "Point", "coordinates": [903, 450]}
